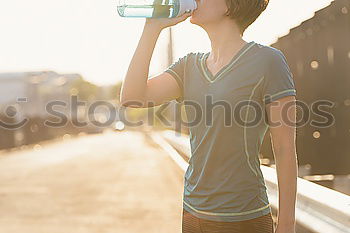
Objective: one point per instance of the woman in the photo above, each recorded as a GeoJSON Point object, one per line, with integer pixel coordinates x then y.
{"type": "Point", "coordinates": [224, 186]}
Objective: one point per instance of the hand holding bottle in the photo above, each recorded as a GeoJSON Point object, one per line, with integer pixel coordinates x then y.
{"type": "Point", "coordinates": [158, 14]}
{"type": "Point", "coordinates": [162, 23]}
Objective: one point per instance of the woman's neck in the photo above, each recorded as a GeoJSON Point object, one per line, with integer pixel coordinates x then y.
{"type": "Point", "coordinates": [225, 39]}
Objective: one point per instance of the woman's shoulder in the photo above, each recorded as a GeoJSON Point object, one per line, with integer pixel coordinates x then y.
{"type": "Point", "coordinates": [270, 53]}
{"type": "Point", "coordinates": [195, 54]}
{"type": "Point", "coordinates": [193, 58]}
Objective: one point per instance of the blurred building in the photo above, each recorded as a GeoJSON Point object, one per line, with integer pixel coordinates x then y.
{"type": "Point", "coordinates": [318, 52]}
{"type": "Point", "coordinates": [32, 90]}
{"type": "Point", "coordinates": [26, 96]}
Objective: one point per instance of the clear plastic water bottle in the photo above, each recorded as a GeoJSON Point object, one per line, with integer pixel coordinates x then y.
{"type": "Point", "coordinates": [155, 8]}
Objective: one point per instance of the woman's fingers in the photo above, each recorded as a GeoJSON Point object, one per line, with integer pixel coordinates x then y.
{"type": "Point", "coordinates": [167, 22]}
{"type": "Point", "coordinates": [182, 18]}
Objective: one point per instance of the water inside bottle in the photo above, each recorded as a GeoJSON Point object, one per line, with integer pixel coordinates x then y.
{"type": "Point", "coordinates": [148, 11]}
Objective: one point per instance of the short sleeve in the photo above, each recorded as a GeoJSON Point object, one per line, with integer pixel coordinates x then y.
{"type": "Point", "coordinates": [278, 80]}
{"type": "Point", "coordinates": [177, 70]}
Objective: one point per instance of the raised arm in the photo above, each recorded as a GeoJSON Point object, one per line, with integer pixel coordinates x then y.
{"type": "Point", "coordinates": [137, 90]}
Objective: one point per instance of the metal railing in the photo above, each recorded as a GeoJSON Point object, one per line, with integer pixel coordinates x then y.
{"type": "Point", "coordinates": [318, 209]}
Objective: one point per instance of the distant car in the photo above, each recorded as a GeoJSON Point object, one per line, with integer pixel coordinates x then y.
{"type": "Point", "coordinates": [119, 126]}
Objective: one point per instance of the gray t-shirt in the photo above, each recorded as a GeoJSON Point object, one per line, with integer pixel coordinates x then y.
{"type": "Point", "coordinates": [227, 122]}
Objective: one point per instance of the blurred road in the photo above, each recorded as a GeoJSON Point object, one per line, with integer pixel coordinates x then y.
{"type": "Point", "coordinates": [114, 182]}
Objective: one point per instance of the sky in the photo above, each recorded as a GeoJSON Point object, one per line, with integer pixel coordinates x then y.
{"type": "Point", "coordinates": [88, 36]}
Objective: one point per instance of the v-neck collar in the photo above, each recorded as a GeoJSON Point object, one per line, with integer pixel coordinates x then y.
{"type": "Point", "coordinates": [209, 76]}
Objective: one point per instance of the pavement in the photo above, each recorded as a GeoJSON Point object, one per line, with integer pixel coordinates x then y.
{"type": "Point", "coordinates": [107, 183]}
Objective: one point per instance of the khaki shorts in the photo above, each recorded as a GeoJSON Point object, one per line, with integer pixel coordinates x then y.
{"type": "Point", "coordinates": [192, 224]}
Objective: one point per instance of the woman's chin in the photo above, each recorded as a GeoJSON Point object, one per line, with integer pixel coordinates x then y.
{"type": "Point", "coordinates": [193, 18]}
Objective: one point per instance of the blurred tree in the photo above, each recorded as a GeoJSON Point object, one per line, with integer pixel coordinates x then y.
{"type": "Point", "coordinates": [115, 91]}
{"type": "Point", "coordinates": [84, 89]}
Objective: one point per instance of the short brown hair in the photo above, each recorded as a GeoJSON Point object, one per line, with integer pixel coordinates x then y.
{"type": "Point", "coordinates": [245, 12]}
